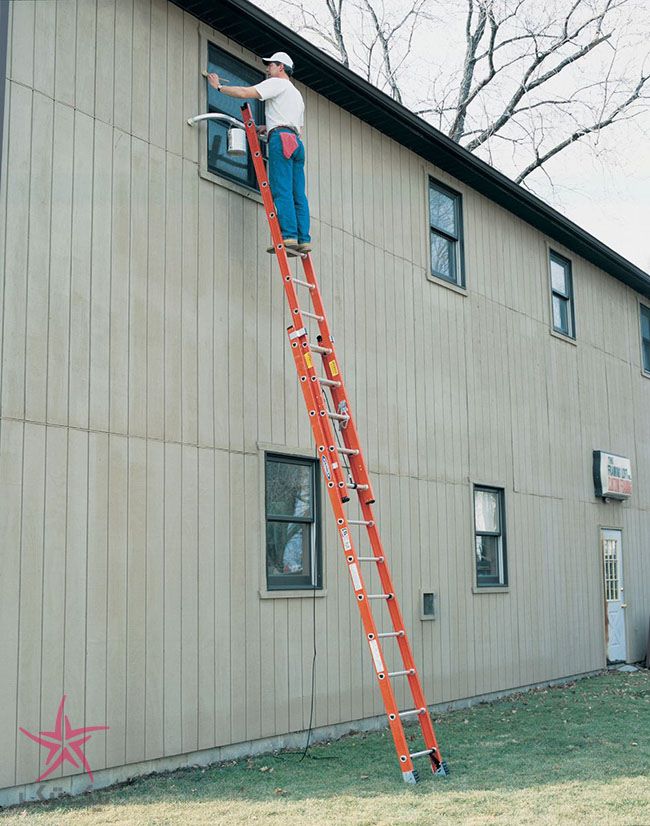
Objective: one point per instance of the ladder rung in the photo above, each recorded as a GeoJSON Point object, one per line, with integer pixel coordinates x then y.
{"type": "Point", "coordinates": [412, 712]}
{"type": "Point", "coordinates": [409, 671]}
{"type": "Point", "coordinates": [354, 486]}
{"type": "Point", "coordinates": [392, 634]}
{"type": "Point", "coordinates": [303, 284]}
{"type": "Point", "coordinates": [424, 753]}
{"type": "Point", "coordinates": [349, 451]}
{"type": "Point", "coordinates": [313, 315]}
{"type": "Point", "coordinates": [340, 417]}
{"type": "Point", "coordinates": [316, 349]}
{"type": "Point", "coordinates": [329, 382]}
{"type": "Point", "coordinates": [380, 596]}
{"type": "Point", "coordinates": [367, 522]}
{"type": "Point", "coordinates": [370, 558]}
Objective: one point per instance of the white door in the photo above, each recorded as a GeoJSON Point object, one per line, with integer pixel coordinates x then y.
{"type": "Point", "coordinates": [614, 596]}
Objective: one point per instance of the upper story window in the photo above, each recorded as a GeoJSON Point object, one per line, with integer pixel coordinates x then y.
{"type": "Point", "coordinates": [645, 337]}
{"type": "Point", "coordinates": [562, 295]}
{"type": "Point", "coordinates": [238, 168]}
{"type": "Point", "coordinates": [293, 552]}
{"type": "Point", "coordinates": [490, 540]}
{"type": "Point", "coordinates": [446, 222]}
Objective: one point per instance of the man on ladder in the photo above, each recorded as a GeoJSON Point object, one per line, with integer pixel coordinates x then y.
{"type": "Point", "coordinates": [285, 114]}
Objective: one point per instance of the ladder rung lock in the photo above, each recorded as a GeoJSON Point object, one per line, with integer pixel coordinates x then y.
{"type": "Point", "coordinates": [328, 382]}
{"type": "Point", "coordinates": [303, 284]}
{"type": "Point", "coordinates": [340, 417]}
{"type": "Point", "coordinates": [316, 349]}
{"type": "Point", "coordinates": [370, 558]}
{"type": "Point", "coordinates": [412, 712]}
{"type": "Point", "coordinates": [349, 451]}
{"type": "Point", "coordinates": [380, 596]}
{"type": "Point", "coordinates": [424, 753]}
{"type": "Point", "coordinates": [313, 315]}
{"type": "Point", "coordinates": [409, 671]}
{"type": "Point", "coordinates": [297, 333]}
{"type": "Point", "coordinates": [391, 634]}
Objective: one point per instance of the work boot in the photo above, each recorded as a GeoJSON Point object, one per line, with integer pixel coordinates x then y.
{"type": "Point", "coordinates": [303, 248]}
{"type": "Point", "coordinates": [289, 244]}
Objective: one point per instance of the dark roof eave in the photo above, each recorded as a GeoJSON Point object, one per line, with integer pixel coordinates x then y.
{"type": "Point", "coordinates": [260, 33]}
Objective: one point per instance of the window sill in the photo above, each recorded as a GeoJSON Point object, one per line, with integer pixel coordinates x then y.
{"type": "Point", "coordinates": [301, 593]}
{"type": "Point", "coordinates": [450, 285]}
{"type": "Point", "coordinates": [251, 194]}
{"type": "Point", "coordinates": [491, 589]}
{"type": "Point", "coordinates": [645, 373]}
{"type": "Point", "coordinates": [563, 337]}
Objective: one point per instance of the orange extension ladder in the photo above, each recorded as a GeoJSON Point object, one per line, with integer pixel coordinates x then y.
{"type": "Point", "coordinates": [334, 458]}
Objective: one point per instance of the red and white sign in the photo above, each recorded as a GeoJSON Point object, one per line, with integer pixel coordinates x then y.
{"type": "Point", "coordinates": [612, 475]}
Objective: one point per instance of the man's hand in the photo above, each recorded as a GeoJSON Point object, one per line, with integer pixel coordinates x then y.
{"type": "Point", "coordinates": [261, 130]}
{"type": "Point", "coordinates": [213, 80]}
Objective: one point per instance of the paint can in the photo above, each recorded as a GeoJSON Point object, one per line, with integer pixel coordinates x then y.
{"type": "Point", "coordinates": [236, 141]}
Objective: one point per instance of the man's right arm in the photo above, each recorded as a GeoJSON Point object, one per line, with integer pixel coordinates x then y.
{"type": "Point", "coordinates": [233, 91]}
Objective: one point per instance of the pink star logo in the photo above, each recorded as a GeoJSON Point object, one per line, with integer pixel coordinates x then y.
{"type": "Point", "coordinates": [68, 742]}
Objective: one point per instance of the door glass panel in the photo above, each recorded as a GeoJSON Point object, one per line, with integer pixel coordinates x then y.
{"type": "Point", "coordinates": [610, 556]}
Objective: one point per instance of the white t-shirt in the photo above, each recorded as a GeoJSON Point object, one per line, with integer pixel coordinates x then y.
{"type": "Point", "coordinates": [284, 103]}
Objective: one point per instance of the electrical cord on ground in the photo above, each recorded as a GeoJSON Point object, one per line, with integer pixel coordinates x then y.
{"type": "Point", "coordinates": [313, 676]}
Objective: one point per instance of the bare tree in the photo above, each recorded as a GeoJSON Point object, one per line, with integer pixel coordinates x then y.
{"type": "Point", "coordinates": [534, 77]}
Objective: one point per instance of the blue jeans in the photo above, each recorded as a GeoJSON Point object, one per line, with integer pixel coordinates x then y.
{"type": "Point", "coordinates": [287, 180]}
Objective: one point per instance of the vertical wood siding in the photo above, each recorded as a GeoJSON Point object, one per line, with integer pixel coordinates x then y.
{"type": "Point", "coordinates": [143, 358]}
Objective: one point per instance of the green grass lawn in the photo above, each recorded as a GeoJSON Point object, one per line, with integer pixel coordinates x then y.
{"type": "Point", "coordinates": [577, 754]}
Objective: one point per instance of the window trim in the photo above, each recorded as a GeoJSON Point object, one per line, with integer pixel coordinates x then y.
{"type": "Point", "coordinates": [570, 298]}
{"type": "Point", "coordinates": [269, 589]}
{"type": "Point", "coordinates": [504, 584]}
{"type": "Point", "coordinates": [459, 241]}
{"type": "Point", "coordinates": [643, 307]}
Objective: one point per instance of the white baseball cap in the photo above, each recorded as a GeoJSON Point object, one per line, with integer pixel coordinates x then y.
{"type": "Point", "coordinates": [279, 57]}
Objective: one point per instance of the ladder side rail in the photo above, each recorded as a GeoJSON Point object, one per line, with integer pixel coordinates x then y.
{"type": "Point", "coordinates": [299, 347]}
{"type": "Point", "coordinates": [287, 280]}
{"type": "Point", "coordinates": [357, 463]}
{"type": "Point", "coordinates": [332, 368]}
{"type": "Point", "coordinates": [406, 652]}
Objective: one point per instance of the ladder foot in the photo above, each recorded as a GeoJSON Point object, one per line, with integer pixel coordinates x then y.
{"type": "Point", "coordinates": [442, 770]}
{"type": "Point", "coordinates": [411, 777]}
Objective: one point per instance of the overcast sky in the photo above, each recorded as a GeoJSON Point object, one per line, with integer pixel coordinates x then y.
{"type": "Point", "coordinates": [605, 187]}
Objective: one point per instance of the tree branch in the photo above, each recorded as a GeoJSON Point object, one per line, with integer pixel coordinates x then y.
{"type": "Point", "coordinates": [540, 160]}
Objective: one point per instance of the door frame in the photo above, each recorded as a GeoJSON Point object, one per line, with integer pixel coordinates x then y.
{"type": "Point", "coordinates": [601, 562]}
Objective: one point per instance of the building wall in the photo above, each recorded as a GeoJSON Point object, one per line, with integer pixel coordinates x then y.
{"type": "Point", "coordinates": [144, 366]}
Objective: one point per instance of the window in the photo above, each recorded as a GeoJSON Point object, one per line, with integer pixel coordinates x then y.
{"type": "Point", "coordinates": [446, 219]}
{"type": "Point", "coordinates": [238, 168]}
{"type": "Point", "coordinates": [645, 337]}
{"type": "Point", "coordinates": [293, 554]}
{"type": "Point", "coordinates": [490, 541]}
{"type": "Point", "coordinates": [562, 295]}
